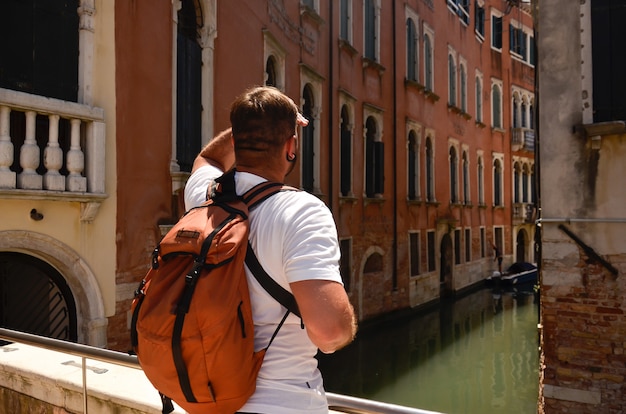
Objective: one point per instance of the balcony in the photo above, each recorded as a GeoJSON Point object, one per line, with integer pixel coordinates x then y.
{"type": "Point", "coordinates": [53, 150]}
{"type": "Point", "coordinates": [522, 139]}
{"type": "Point", "coordinates": [524, 213]}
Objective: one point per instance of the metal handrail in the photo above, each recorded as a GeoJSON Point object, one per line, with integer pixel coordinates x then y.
{"type": "Point", "coordinates": [336, 402]}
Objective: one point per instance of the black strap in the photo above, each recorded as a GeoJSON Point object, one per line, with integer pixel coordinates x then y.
{"type": "Point", "coordinates": [168, 407]}
{"type": "Point", "coordinates": [282, 295]}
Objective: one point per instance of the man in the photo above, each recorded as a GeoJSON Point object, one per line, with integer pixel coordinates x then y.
{"type": "Point", "coordinates": [294, 237]}
{"type": "Point", "coordinates": [497, 255]}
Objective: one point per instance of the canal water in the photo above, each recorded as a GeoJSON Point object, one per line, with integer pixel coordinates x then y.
{"type": "Point", "coordinates": [475, 355]}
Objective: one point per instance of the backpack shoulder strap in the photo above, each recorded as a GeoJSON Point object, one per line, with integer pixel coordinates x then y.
{"type": "Point", "coordinates": [253, 198]}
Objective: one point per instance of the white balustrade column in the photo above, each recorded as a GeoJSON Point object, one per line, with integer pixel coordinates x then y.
{"type": "Point", "coordinates": [75, 160]}
{"type": "Point", "coordinates": [28, 179]}
{"type": "Point", "coordinates": [7, 177]}
{"type": "Point", "coordinates": [53, 158]}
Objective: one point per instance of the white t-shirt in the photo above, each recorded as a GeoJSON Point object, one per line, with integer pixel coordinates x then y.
{"type": "Point", "coordinates": [294, 237]}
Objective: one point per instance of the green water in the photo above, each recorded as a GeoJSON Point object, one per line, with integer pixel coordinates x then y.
{"type": "Point", "coordinates": [477, 355]}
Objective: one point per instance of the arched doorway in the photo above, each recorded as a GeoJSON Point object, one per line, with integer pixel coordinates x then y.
{"type": "Point", "coordinates": [445, 268]}
{"type": "Point", "coordinates": [35, 298]}
{"type": "Point", "coordinates": [522, 240]}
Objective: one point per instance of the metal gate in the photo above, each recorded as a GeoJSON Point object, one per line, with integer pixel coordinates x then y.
{"type": "Point", "coordinates": [35, 298]}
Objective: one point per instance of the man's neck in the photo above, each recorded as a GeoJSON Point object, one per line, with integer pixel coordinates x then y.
{"type": "Point", "coordinates": [268, 175]}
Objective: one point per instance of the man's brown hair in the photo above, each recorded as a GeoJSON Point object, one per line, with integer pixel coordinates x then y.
{"type": "Point", "coordinates": [262, 119]}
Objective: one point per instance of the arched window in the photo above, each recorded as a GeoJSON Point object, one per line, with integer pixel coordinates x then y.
{"type": "Point", "coordinates": [346, 153]}
{"type": "Point", "coordinates": [270, 72]}
{"type": "Point", "coordinates": [479, 99]}
{"type": "Point", "coordinates": [525, 183]}
{"type": "Point", "coordinates": [516, 183]}
{"type": "Point", "coordinates": [430, 171]}
{"type": "Point", "coordinates": [497, 183]}
{"type": "Point", "coordinates": [466, 179]}
{"type": "Point", "coordinates": [496, 104]}
{"type": "Point", "coordinates": [188, 86]}
{"type": "Point", "coordinates": [481, 181]}
{"type": "Point", "coordinates": [413, 166]}
{"type": "Point", "coordinates": [463, 81]}
{"type": "Point", "coordinates": [516, 117]}
{"type": "Point", "coordinates": [524, 114]}
{"type": "Point", "coordinates": [374, 165]}
{"type": "Point", "coordinates": [428, 63]}
{"type": "Point", "coordinates": [451, 80]}
{"type": "Point", "coordinates": [308, 141]}
{"type": "Point", "coordinates": [411, 50]}
{"type": "Point", "coordinates": [454, 187]}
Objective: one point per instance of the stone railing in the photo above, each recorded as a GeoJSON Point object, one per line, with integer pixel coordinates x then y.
{"type": "Point", "coordinates": [33, 164]}
{"type": "Point", "coordinates": [522, 138]}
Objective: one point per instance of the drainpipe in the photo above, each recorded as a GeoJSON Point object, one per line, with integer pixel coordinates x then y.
{"type": "Point", "coordinates": [395, 157]}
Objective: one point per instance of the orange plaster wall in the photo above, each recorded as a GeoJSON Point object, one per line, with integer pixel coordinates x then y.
{"type": "Point", "coordinates": [143, 34]}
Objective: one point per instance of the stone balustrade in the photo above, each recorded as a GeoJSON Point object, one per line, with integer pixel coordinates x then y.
{"type": "Point", "coordinates": [33, 164]}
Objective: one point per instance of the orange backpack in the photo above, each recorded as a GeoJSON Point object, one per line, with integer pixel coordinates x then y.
{"type": "Point", "coordinates": [191, 326]}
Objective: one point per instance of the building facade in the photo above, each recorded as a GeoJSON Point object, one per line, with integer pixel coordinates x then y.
{"type": "Point", "coordinates": [581, 154]}
{"type": "Point", "coordinates": [420, 140]}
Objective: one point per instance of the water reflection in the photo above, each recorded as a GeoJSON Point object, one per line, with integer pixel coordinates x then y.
{"type": "Point", "coordinates": [478, 354]}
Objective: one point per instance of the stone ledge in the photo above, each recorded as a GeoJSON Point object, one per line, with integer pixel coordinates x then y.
{"type": "Point", "coordinates": [571, 394]}
{"type": "Point", "coordinates": [55, 379]}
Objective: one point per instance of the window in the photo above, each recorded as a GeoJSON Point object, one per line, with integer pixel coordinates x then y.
{"type": "Point", "coordinates": [374, 159]}
{"type": "Point", "coordinates": [414, 253]}
{"type": "Point", "coordinates": [40, 48]}
{"type": "Point", "coordinates": [525, 179]}
{"type": "Point", "coordinates": [496, 104]}
{"type": "Point", "coordinates": [463, 85]}
{"type": "Point", "coordinates": [431, 251]}
{"type": "Point", "coordinates": [466, 179]}
{"type": "Point", "coordinates": [274, 56]}
{"type": "Point", "coordinates": [345, 264]}
{"type": "Point", "coordinates": [454, 187]}
{"type": "Point", "coordinates": [479, 97]}
{"type": "Point", "coordinates": [411, 50]}
{"type": "Point", "coordinates": [479, 19]}
{"type": "Point", "coordinates": [413, 166]}
{"type": "Point", "coordinates": [371, 28]}
{"type": "Point", "coordinates": [482, 242]}
{"type": "Point", "coordinates": [309, 137]}
{"type": "Point", "coordinates": [496, 32]}
{"type": "Point", "coordinates": [517, 41]}
{"type": "Point", "coordinates": [460, 8]}
{"type": "Point", "coordinates": [464, 11]}
{"type": "Point", "coordinates": [428, 60]}
{"type": "Point", "coordinates": [451, 80]}
{"type": "Point", "coordinates": [516, 183]}
{"type": "Point", "coordinates": [481, 181]}
{"type": "Point", "coordinates": [430, 171]}
{"type": "Point", "coordinates": [516, 111]}
{"type": "Point", "coordinates": [497, 183]}
{"type": "Point", "coordinates": [346, 20]}
{"type": "Point", "coordinates": [270, 72]}
{"type": "Point", "coordinates": [468, 245]}
{"type": "Point", "coordinates": [188, 87]}
{"type": "Point", "coordinates": [457, 246]}
{"type": "Point", "coordinates": [346, 152]}
{"type": "Point", "coordinates": [311, 4]}
{"type": "Point", "coordinates": [524, 111]}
